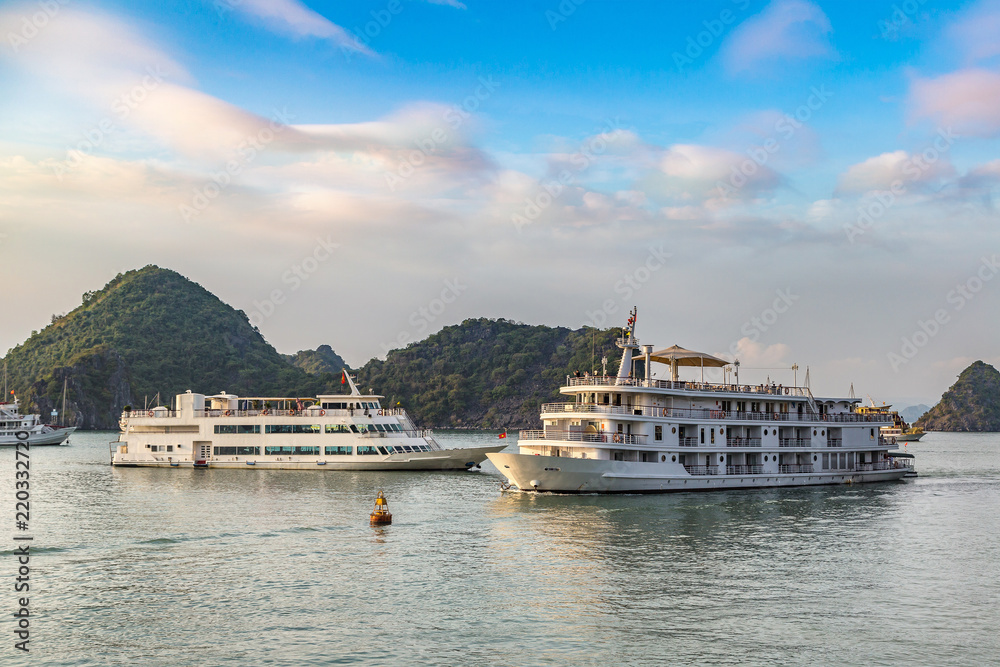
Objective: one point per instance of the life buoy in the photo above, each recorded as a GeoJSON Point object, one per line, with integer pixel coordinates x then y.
{"type": "Point", "coordinates": [229, 413]}
{"type": "Point", "coordinates": [322, 413]}
{"type": "Point", "coordinates": [722, 415]}
{"type": "Point", "coordinates": [381, 413]}
{"type": "Point", "coordinates": [149, 414]}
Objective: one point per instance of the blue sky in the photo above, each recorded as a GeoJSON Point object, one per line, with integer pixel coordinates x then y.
{"type": "Point", "coordinates": [547, 162]}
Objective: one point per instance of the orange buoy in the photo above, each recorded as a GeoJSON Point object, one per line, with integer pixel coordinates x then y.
{"type": "Point", "coordinates": [381, 514]}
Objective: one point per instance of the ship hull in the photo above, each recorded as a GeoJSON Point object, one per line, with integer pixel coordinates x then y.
{"type": "Point", "coordinates": [571, 475]}
{"type": "Point", "coordinates": [54, 437]}
{"type": "Point", "coordinates": [446, 459]}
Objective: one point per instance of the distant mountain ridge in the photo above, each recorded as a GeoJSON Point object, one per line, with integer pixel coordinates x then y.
{"type": "Point", "coordinates": [914, 412]}
{"type": "Point", "coordinates": [971, 404]}
{"type": "Point", "coordinates": [486, 373]}
{"type": "Point", "coordinates": [316, 362]}
{"type": "Point", "coordinates": [152, 331]}
{"type": "Point", "coordinates": [149, 331]}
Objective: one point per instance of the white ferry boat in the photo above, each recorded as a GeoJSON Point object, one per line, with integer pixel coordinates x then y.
{"type": "Point", "coordinates": [636, 434]}
{"type": "Point", "coordinates": [16, 428]}
{"type": "Point", "coordinates": [335, 432]}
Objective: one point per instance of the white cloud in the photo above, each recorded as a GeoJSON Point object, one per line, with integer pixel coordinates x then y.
{"type": "Point", "coordinates": [294, 17]}
{"type": "Point", "coordinates": [786, 29]}
{"type": "Point", "coordinates": [975, 32]}
{"type": "Point", "coordinates": [898, 167]}
{"type": "Point", "coordinates": [967, 100]}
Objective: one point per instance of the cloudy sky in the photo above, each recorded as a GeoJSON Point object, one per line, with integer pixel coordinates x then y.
{"type": "Point", "coordinates": [785, 182]}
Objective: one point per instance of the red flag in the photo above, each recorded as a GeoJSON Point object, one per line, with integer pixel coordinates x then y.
{"type": "Point", "coordinates": [502, 435]}
{"type": "Point", "coordinates": [343, 377]}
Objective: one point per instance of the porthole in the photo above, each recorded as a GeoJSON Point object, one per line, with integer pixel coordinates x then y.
{"type": "Point", "coordinates": [814, 457]}
{"type": "Point", "coordinates": [721, 431]}
{"type": "Point", "coordinates": [663, 458]}
{"type": "Point", "coordinates": [673, 459]}
{"type": "Point", "coordinates": [814, 431]}
{"type": "Point", "coordinates": [673, 429]}
{"type": "Point", "coordinates": [765, 431]}
{"type": "Point", "coordinates": [721, 459]}
{"type": "Point", "coordinates": [823, 432]}
{"type": "Point", "coordinates": [765, 459]}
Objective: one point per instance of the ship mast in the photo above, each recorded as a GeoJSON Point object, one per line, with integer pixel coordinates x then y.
{"type": "Point", "coordinates": [628, 344]}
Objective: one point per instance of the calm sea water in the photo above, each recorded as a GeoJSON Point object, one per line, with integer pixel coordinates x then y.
{"type": "Point", "coordinates": [255, 567]}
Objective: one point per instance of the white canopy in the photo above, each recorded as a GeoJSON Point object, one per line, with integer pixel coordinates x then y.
{"type": "Point", "coordinates": [676, 355]}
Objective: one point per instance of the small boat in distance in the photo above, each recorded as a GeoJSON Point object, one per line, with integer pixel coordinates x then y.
{"type": "Point", "coordinates": [16, 428]}
{"type": "Point", "coordinates": [900, 431]}
{"type": "Point", "coordinates": [329, 432]}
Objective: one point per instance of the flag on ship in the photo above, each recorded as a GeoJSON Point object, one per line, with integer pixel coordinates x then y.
{"type": "Point", "coordinates": [502, 435]}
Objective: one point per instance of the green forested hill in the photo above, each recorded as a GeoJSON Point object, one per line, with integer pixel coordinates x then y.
{"type": "Point", "coordinates": [487, 373]}
{"type": "Point", "coordinates": [321, 360]}
{"type": "Point", "coordinates": [148, 331]}
{"type": "Point", "coordinates": [971, 404]}
{"type": "Point", "coordinates": [153, 331]}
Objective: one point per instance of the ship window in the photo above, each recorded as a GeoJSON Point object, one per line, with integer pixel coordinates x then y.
{"type": "Point", "coordinates": [225, 428]}
{"type": "Point", "coordinates": [170, 448]}
{"type": "Point", "coordinates": [713, 437]}
{"type": "Point", "coordinates": [380, 428]}
{"type": "Point", "coordinates": [673, 429]}
{"type": "Point", "coordinates": [339, 451]}
{"type": "Point", "coordinates": [278, 428]}
{"type": "Point", "coordinates": [367, 450]}
{"type": "Point", "coordinates": [826, 462]}
{"type": "Point", "coordinates": [703, 436]}
{"type": "Point", "coordinates": [248, 428]}
{"type": "Point", "coordinates": [337, 428]}
{"type": "Point", "coordinates": [406, 448]}
{"type": "Point", "coordinates": [381, 450]}
{"type": "Point", "coordinates": [277, 451]}
{"type": "Point", "coordinates": [658, 433]}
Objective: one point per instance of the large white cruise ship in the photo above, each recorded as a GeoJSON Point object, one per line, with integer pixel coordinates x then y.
{"type": "Point", "coordinates": [335, 432]}
{"type": "Point", "coordinates": [18, 428]}
{"type": "Point", "coordinates": [637, 434]}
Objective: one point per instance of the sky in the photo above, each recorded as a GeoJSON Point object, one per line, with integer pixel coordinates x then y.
{"type": "Point", "coordinates": [787, 182]}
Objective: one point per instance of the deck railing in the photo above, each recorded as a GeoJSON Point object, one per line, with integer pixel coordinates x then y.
{"type": "Point", "coordinates": [266, 412]}
{"type": "Point", "coordinates": [611, 381]}
{"type": "Point", "coordinates": [580, 436]}
{"type": "Point", "coordinates": [744, 470]}
{"type": "Point", "coordinates": [687, 442]}
{"type": "Point", "coordinates": [703, 413]}
{"type": "Point", "coordinates": [702, 470]}
{"type": "Point", "coordinates": [835, 442]}
{"type": "Point", "coordinates": [795, 467]}
{"type": "Point", "coordinates": [794, 442]}
{"type": "Point", "coordinates": [743, 442]}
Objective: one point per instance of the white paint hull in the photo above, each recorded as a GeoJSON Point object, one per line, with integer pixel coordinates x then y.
{"type": "Point", "coordinates": [55, 437]}
{"type": "Point", "coordinates": [445, 459]}
{"type": "Point", "coordinates": [573, 475]}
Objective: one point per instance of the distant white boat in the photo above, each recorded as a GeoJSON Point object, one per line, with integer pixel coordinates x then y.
{"type": "Point", "coordinates": [16, 427]}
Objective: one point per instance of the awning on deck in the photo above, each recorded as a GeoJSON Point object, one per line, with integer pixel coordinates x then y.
{"type": "Point", "coordinates": [676, 356]}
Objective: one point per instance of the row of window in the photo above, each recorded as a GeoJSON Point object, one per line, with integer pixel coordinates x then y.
{"type": "Point", "coordinates": [241, 429]}
{"type": "Point", "coordinates": [287, 429]}
{"type": "Point", "coordinates": [309, 451]}
{"type": "Point", "coordinates": [362, 405]}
